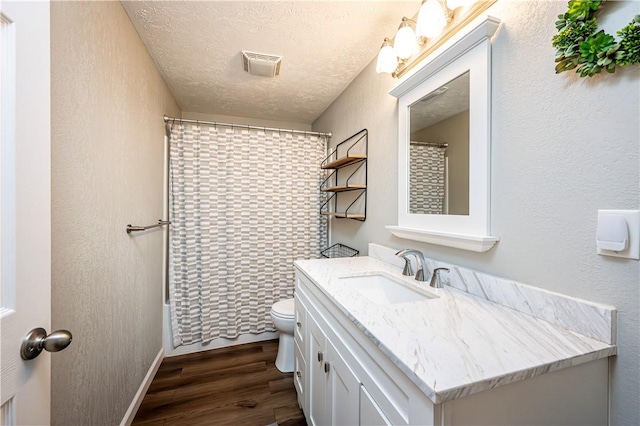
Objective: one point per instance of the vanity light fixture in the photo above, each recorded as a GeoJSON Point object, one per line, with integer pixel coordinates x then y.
{"type": "Point", "coordinates": [406, 43]}
{"type": "Point", "coordinates": [437, 21]}
{"type": "Point", "coordinates": [432, 18]}
{"type": "Point", "coordinates": [387, 58]}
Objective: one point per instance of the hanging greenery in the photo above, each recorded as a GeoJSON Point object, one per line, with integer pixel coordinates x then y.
{"type": "Point", "coordinates": [581, 46]}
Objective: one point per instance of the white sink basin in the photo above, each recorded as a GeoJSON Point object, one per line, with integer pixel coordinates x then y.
{"type": "Point", "coordinates": [382, 289]}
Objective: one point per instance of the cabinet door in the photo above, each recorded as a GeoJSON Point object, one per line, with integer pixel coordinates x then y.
{"type": "Point", "coordinates": [344, 390]}
{"type": "Point", "coordinates": [370, 413]}
{"type": "Point", "coordinates": [318, 379]}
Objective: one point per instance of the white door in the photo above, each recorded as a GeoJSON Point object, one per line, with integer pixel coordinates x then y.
{"type": "Point", "coordinates": [25, 209]}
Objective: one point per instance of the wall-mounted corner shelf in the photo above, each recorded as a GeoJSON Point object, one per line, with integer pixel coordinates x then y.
{"type": "Point", "coordinates": [349, 174]}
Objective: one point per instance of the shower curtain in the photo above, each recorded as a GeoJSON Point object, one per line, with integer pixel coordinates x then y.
{"type": "Point", "coordinates": [244, 204]}
{"type": "Point", "coordinates": [427, 178]}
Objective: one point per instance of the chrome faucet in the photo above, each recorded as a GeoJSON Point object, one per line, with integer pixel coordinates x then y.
{"type": "Point", "coordinates": [422, 264]}
{"type": "Point", "coordinates": [435, 278]}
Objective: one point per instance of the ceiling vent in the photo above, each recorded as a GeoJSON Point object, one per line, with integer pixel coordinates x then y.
{"type": "Point", "coordinates": [261, 64]}
{"type": "Point", "coordinates": [439, 91]}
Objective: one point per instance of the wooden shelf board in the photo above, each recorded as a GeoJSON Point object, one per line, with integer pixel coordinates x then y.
{"type": "Point", "coordinates": [344, 161]}
{"type": "Point", "coordinates": [343, 215]}
{"type": "Point", "coordinates": [343, 188]}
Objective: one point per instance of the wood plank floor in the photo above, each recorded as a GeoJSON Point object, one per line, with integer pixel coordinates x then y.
{"type": "Point", "coordinates": [232, 386]}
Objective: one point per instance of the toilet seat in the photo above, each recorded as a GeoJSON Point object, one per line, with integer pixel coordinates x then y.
{"type": "Point", "coordinates": [283, 309]}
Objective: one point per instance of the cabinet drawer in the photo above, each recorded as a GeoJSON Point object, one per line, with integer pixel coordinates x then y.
{"type": "Point", "coordinates": [300, 311]}
{"type": "Point", "coordinates": [299, 376]}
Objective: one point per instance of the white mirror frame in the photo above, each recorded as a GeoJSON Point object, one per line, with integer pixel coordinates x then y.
{"type": "Point", "coordinates": [469, 232]}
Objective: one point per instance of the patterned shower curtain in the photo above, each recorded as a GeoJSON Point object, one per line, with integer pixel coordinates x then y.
{"type": "Point", "coordinates": [427, 178]}
{"type": "Point", "coordinates": [244, 204]}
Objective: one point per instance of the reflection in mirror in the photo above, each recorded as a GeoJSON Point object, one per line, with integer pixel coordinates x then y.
{"type": "Point", "coordinates": [439, 150]}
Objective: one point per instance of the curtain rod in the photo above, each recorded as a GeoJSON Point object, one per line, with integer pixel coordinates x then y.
{"type": "Point", "coordinates": [439, 145]}
{"type": "Point", "coordinates": [244, 126]}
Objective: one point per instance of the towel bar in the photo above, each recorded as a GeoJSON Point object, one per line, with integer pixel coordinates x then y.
{"type": "Point", "coordinates": [133, 228]}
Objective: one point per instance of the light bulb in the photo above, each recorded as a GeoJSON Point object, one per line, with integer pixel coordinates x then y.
{"type": "Point", "coordinates": [387, 58]}
{"type": "Point", "coordinates": [431, 19]}
{"type": "Point", "coordinates": [405, 43]}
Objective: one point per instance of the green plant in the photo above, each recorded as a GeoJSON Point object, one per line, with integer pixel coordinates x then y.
{"type": "Point", "coordinates": [580, 45]}
{"type": "Point", "coordinates": [629, 52]}
{"type": "Point", "coordinates": [597, 52]}
{"type": "Point", "coordinates": [581, 10]}
{"type": "Point", "coordinates": [567, 42]}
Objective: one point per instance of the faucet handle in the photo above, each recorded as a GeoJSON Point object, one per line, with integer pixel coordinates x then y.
{"type": "Point", "coordinates": [404, 255]}
{"type": "Point", "coordinates": [408, 270]}
{"type": "Point", "coordinates": [435, 278]}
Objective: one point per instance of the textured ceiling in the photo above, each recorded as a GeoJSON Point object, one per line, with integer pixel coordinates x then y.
{"type": "Point", "coordinates": [431, 110]}
{"type": "Point", "coordinates": [325, 44]}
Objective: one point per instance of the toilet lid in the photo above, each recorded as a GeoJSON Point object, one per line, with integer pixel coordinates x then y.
{"type": "Point", "coordinates": [283, 308]}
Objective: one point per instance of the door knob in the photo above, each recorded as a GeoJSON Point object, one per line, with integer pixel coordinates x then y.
{"type": "Point", "coordinates": [37, 339]}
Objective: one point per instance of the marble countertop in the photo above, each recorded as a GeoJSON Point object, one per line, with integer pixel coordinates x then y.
{"type": "Point", "coordinates": [456, 344]}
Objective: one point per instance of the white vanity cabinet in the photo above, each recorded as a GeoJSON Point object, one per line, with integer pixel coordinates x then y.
{"type": "Point", "coordinates": [343, 378]}
{"type": "Point", "coordinates": [345, 383]}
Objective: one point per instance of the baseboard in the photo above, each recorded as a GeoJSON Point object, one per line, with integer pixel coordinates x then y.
{"type": "Point", "coordinates": [220, 343]}
{"type": "Point", "coordinates": [142, 390]}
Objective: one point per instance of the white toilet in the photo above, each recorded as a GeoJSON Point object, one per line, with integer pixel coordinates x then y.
{"type": "Point", "coordinates": [283, 318]}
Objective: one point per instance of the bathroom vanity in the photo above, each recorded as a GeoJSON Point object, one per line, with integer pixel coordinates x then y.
{"type": "Point", "coordinates": [400, 353]}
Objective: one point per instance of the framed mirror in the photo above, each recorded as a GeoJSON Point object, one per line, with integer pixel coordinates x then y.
{"type": "Point", "coordinates": [444, 146]}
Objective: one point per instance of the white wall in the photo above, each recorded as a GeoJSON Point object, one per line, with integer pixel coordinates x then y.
{"type": "Point", "coordinates": [562, 147]}
{"type": "Point", "coordinates": [107, 103]}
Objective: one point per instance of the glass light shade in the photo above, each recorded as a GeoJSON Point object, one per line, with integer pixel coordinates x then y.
{"type": "Point", "coordinates": [454, 4]}
{"type": "Point", "coordinates": [387, 59]}
{"type": "Point", "coordinates": [431, 19]}
{"type": "Point", "coordinates": [405, 43]}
